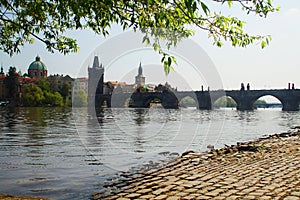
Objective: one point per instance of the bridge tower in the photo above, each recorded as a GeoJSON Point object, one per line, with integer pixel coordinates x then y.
{"type": "Point", "coordinates": [95, 83]}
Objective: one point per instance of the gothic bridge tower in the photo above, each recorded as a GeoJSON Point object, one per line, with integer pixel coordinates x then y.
{"type": "Point", "coordinates": [95, 83]}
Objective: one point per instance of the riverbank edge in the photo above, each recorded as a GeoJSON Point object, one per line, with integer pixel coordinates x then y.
{"type": "Point", "coordinates": [250, 151]}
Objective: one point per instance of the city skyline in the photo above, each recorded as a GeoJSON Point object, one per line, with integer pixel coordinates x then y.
{"type": "Point", "coordinates": [272, 67]}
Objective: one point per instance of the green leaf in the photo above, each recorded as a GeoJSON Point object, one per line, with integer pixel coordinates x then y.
{"type": "Point", "coordinates": [156, 47]}
{"type": "Point", "coordinates": [263, 44]}
{"type": "Point", "coordinates": [194, 6]}
{"type": "Point", "coordinates": [166, 68]}
{"type": "Point", "coordinates": [204, 8]}
{"type": "Point", "coordinates": [146, 41]}
{"type": "Point", "coordinates": [219, 43]}
{"type": "Point", "coordinates": [169, 61]}
{"type": "Point", "coordinates": [229, 2]}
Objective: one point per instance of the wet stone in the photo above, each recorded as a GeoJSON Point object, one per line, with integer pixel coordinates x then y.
{"type": "Point", "coordinates": [160, 191]}
{"type": "Point", "coordinates": [182, 194]}
{"type": "Point", "coordinates": [203, 197]}
{"type": "Point", "coordinates": [148, 196]}
{"type": "Point", "coordinates": [291, 198]}
{"type": "Point", "coordinates": [161, 197]}
{"type": "Point", "coordinates": [188, 197]}
{"type": "Point", "coordinates": [173, 198]}
{"type": "Point", "coordinates": [133, 195]}
{"type": "Point", "coordinates": [144, 191]}
{"type": "Point", "coordinates": [191, 190]}
{"type": "Point", "coordinates": [296, 193]}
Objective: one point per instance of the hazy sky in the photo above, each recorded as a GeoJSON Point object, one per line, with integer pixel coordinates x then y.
{"type": "Point", "coordinates": [272, 67]}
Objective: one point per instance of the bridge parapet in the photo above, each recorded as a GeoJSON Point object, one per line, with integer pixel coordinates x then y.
{"type": "Point", "coordinates": [245, 99]}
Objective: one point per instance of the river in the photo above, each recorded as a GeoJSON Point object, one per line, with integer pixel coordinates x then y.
{"type": "Point", "coordinates": [65, 153]}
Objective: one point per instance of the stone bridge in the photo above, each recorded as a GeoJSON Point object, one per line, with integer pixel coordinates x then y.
{"type": "Point", "coordinates": [204, 99]}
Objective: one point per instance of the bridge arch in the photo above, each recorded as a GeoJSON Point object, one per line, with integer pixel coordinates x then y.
{"type": "Point", "coordinates": [234, 98]}
{"type": "Point", "coordinates": [128, 102]}
{"type": "Point", "coordinates": [245, 99]}
{"type": "Point", "coordinates": [275, 99]}
{"type": "Point", "coordinates": [120, 100]}
{"type": "Point", "coordinates": [103, 102]}
{"type": "Point", "coordinates": [224, 101]}
{"type": "Point", "coordinates": [188, 101]}
{"type": "Point", "coordinates": [182, 96]}
{"type": "Point", "coordinates": [152, 99]}
{"type": "Point", "coordinates": [279, 98]}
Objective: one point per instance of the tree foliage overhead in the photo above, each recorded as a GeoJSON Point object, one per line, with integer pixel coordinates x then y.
{"type": "Point", "coordinates": [171, 20]}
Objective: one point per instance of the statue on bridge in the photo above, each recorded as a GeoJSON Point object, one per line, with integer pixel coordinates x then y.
{"type": "Point", "coordinates": [242, 87]}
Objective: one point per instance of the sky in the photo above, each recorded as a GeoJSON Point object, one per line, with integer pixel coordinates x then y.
{"type": "Point", "coordinates": [204, 64]}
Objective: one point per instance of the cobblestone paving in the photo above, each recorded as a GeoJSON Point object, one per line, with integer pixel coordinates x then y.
{"type": "Point", "coordinates": [268, 168]}
{"type": "Point", "coordinates": [11, 197]}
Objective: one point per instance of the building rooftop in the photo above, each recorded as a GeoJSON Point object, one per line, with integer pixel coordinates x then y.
{"type": "Point", "coordinates": [37, 65]}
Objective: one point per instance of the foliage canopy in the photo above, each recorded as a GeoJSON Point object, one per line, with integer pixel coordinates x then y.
{"type": "Point", "coordinates": [40, 95]}
{"type": "Point", "coordinates": [171, 20]}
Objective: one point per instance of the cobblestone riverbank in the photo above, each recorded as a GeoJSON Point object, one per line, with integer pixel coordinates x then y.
{"type": "Point", "coordinates": [12, 197]}
{"type": "Point", "coordinates": [268, 168]}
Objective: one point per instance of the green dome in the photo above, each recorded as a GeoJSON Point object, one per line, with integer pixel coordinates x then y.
{"type": "Point", "coordinates": [37, 65]}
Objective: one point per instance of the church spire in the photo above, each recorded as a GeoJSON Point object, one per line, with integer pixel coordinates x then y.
{"type": "Point", "coordinates": [140, 70]}
{"type": "Point", "coordinates": [140, 79]}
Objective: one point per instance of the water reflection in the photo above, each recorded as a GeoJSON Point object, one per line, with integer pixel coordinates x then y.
{"type": "Point", "coordinates": [247, 116]}
{"type": "Point", "coordinates": [139, 116]}
{"type": "Point", "coordinates": [36, 116]}
{"type": "Point", "coordinates": [9, 117]}
{"type": "Point", "coordinates": [65, 154]}
{"type": "Point", "coordinates": [289, 118]}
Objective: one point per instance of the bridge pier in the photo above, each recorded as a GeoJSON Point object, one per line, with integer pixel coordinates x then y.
{"type": "Point", "coordinates": [204, 104]}
{"type": "Point", "coordinates": [244, 102]}
{"type": "Point", "coordinates": [169, 100]}
{"type": "Point", "coordinates": [100, 99]}
{"type": "Point", "coordinates": [290, 105]}
{"type": "Point", "coordinates": [243, 106]}
{"type": "Point", "coordinates": [138, 100]}
{"type": "Point", "coordinates": [204, 100]}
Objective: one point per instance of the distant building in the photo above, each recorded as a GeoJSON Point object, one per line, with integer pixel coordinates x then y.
{"type": "Point", "coordinates": [37, 69]}
{"type": "Point", "coordinates": [140, 79]}
{"type": "Point", "coordinates": [57, 83]}
{"type": "Point", "coordinates": [5, 86]}
{"type": "Point", "coordinates": [80, 84]}
{"type": "Point", "coordinates": [123, 87]}
{"type": "Point", "coordinates": [117, 87]}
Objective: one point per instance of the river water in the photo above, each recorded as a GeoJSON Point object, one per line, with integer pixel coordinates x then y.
{"type": "Point", "coordinates": [65, 153]}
